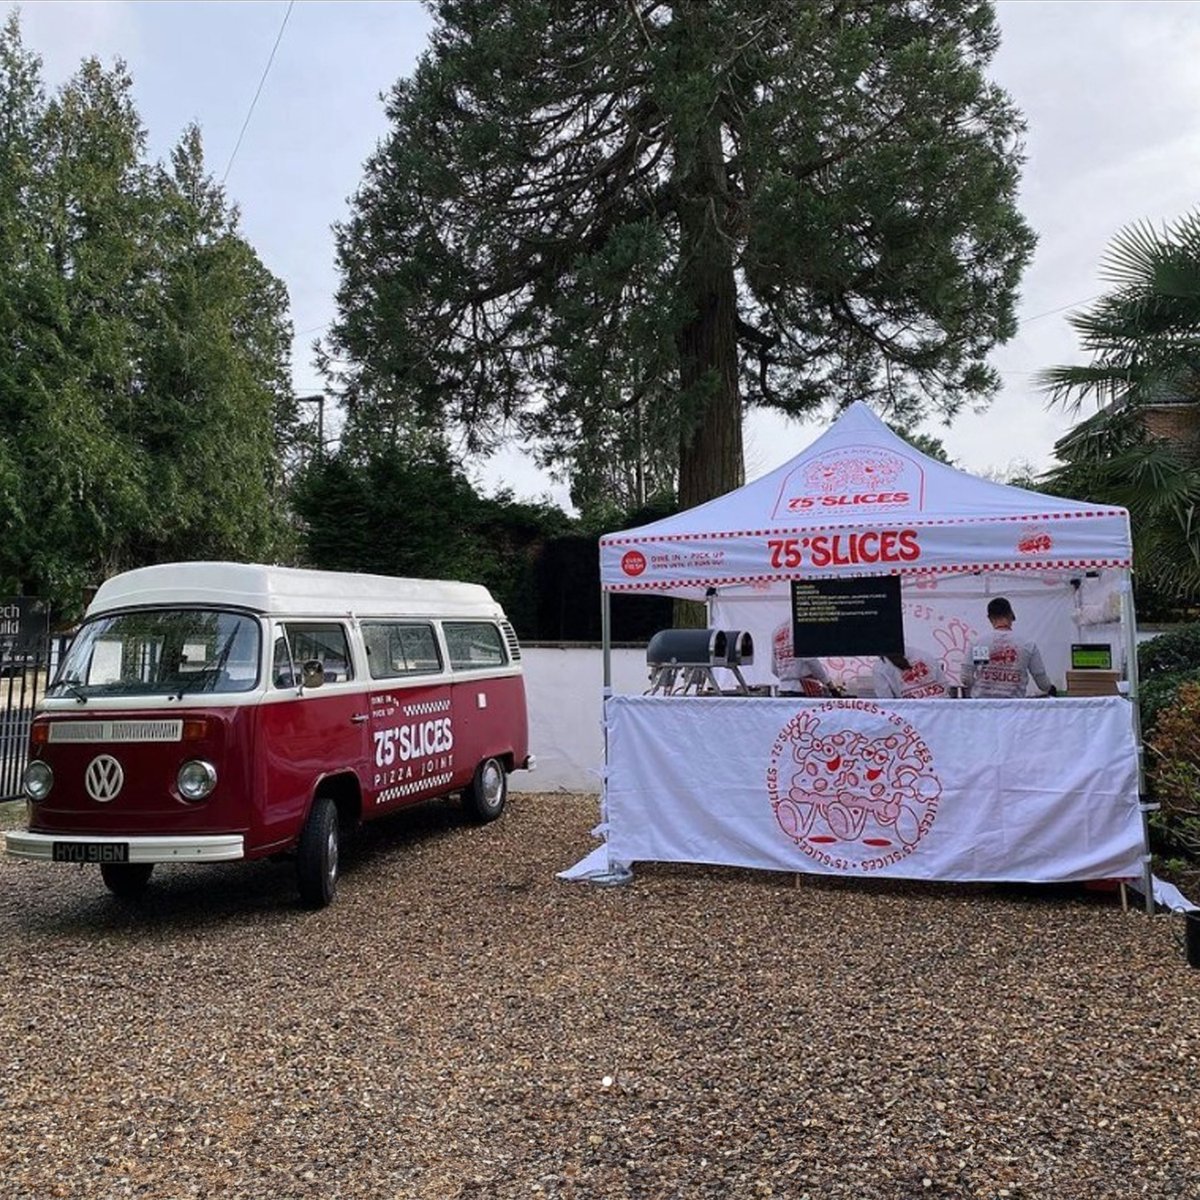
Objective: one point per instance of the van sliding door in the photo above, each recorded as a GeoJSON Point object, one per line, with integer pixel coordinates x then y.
{"type": "Point", "coordinates": [413, 740]}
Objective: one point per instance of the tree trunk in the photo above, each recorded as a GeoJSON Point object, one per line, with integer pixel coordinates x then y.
{"type": "Point", "coordinates": [710, 441]}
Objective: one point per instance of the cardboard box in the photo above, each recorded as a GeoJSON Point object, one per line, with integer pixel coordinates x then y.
{"type": "Point", "coordinates": [1092, 683]}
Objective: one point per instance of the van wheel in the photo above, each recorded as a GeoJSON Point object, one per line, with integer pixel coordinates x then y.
{"type": "Point", "coordinates": [484, 799]}
{"type": "Point", "coordinates": [126, 880]}
{"type": "Point", "coordinates": [317, 855]}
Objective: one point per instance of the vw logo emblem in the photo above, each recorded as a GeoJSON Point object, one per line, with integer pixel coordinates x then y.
{"type": "Point", "coordinates": [104, 778]}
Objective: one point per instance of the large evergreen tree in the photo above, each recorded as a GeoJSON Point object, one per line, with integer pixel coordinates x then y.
{"type": "Point", "coordinates": [215, 414]}
{"type": "Point", "coordinates": [144, 402]}
{"type": "Point", "coordinates": [67, 352]}
{"type": "Point", "coordinates": [609, 226]}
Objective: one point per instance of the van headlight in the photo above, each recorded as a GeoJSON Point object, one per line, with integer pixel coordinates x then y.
{"type": "Point", "coordinates": [37, 780]}
{"type": "Point", "coordinates": [196, 779]}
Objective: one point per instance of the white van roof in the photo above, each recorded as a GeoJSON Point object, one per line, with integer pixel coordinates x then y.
{"type": "Point", "coordinates": [291, 591]}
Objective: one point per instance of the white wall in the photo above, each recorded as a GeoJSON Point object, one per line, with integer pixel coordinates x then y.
{"type": "Point", "coordinates": [563, 688]}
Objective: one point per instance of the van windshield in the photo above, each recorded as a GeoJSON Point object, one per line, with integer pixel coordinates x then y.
{"type": "Point", "coordinates": [158, 652]}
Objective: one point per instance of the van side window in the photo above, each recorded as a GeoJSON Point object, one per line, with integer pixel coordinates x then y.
{"type": "Point", "coordinates": [474, 645]}
{"type": "Point", "coordinates": [326, 642]}
{"type": "Point", "coordinates": [282, 673]}
{"type": "Point", "coordinates": [394, 649]}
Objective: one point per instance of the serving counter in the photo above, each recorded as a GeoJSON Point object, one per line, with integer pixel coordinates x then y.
{"type": "Point", "coordinates": [1031, 790]}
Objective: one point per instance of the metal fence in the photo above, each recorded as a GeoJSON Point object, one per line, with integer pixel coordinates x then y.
{"type": "Point", "coordinates": [24, 676]}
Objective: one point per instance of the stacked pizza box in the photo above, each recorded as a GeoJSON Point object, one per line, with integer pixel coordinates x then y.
{"type": "Point", "coordinates": [1092, 683]}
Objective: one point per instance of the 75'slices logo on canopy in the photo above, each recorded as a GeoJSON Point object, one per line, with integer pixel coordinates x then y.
{"type": "Point", "coordinates": [845, 549]}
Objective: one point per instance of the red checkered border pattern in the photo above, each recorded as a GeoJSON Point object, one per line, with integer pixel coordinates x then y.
{"type": "Point", "coordinates": [424, 708]}
{"type": "Point", "coordinates": [1089, 564]}
{"type": "Point", "coordinates": [892, 518]}
{"type": "Point", "coordinates": [417, 785]}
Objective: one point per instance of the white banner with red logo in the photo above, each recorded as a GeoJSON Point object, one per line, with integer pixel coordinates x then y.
{"type": "Point", "coordinates": [693, 562]}
{"type": "Point", "coordinates": [1031, 790]}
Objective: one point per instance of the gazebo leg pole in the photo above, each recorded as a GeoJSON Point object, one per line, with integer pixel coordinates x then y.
{"type": "Point", "coordinates": [617, 873]}
{"type": "Point", "coordinates": [1129, 628]}
{"type": "Point", "coordinates": [606, 638]}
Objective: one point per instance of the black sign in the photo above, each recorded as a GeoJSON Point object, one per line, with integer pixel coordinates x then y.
{"type": "Point", "coordinates": [24, 623]}
{"type": "Point", "coordinates": [847, 617]}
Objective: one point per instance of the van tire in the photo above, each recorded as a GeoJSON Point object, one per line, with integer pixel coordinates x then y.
{"type": "Point", "coordinates": [126, 880]}
{"type": "Point", "coordinates": [317, 855]}
{"type": "Point", "coordinates": [484, 800]}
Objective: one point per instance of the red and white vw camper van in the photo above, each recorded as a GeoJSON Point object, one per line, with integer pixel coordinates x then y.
{"type": "Point", "coordinates": [215, 711]}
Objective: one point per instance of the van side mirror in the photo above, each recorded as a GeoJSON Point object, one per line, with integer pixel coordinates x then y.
{"type": "Point", "coordinates": [312, 673]}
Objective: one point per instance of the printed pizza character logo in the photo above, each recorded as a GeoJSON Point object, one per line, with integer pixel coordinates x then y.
{"type": "Point", "coordinates": [851, 479]}
{"type": "Point", "coordinates": [1035, 541]}
{"type": "Point", "coordinates": [954, 640]}
{"type": "Point", "coordinates": [845, 474]}
{"type": "Point", "coordinates": [1004, 655]}
{"type": "Point", "coordinates": [633, 562]}
{"type": "Point", "coordinates": [853, 799]}
{"type": "Point", "coordinates": [843, 670]}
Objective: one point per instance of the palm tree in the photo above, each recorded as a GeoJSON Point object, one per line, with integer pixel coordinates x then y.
{"type": "Point", "coordinates": [1144, 339]}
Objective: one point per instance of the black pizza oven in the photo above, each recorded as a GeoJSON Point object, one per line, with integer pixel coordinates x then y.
{"type": "Point", "coordinates": [700, 648]}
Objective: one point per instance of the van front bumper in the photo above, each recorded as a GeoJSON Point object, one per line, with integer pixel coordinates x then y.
{"type": "Point", "coordinates": [39, 847]}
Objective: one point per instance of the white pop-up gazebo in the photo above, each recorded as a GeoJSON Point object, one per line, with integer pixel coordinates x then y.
{"type": "Point", "coordinates": [1032, 790]}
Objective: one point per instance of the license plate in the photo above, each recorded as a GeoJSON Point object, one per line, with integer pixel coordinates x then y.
{"type": "Point", "coordinates": [90, 852]}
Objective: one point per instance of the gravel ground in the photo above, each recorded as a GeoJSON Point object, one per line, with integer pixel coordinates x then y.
{"type": "Point", "coordinates": [461, 1025]}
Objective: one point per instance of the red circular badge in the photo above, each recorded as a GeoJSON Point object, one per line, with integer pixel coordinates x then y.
{"type": "Point", "coordinates": [633, 562]}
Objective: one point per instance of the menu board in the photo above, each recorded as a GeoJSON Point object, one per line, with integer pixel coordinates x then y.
{"type": "Point", "coordinates": [847, 617]}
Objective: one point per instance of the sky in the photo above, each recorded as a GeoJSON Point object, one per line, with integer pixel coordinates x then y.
{"type": "Point", "coordinates": [1108, 88]}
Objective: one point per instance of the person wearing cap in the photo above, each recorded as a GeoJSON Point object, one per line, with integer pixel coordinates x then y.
{"type": "Point", "coordinates": [1000, 668]}
{"type": "Point", "coordinates": [913, 675]}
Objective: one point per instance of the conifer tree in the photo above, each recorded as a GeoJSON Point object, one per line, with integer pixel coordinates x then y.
{"type": "Point", "coordinates": [609, 227]}
{"type": "Point", "coordinates": [144, 400]}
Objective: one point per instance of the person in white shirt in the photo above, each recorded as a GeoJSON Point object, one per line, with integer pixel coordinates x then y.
{"type": "Point", "coordinates": [1010, 662]}
{"type": "Point", "coordinates": [797, 676]}
{"type": "Point", "coordinates": [913, 675]}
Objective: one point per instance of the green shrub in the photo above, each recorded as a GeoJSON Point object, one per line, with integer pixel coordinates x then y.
{"type": "Point", "coordinates": [1165, 664]}
{"type": "Point", "coordinates": [1170, 653]}
{"type": "Point", "coordinates": [1173, 767]}
{"type": "Point", "coordinates": [1158, 693]}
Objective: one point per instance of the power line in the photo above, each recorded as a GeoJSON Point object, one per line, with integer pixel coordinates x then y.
{"type": "Point", "coordinates": [1061, 308]}
{"type": "Point", "coordinates": [266, 71]}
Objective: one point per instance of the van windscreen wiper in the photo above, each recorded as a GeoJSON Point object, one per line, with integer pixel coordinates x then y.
{"type": "Point", "coordinates": [208, 674]}
{"type": "Point", "coordinates": [72, 686]}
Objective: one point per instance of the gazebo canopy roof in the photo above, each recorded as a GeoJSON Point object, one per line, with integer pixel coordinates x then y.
{"type": "Point", "coordinates": [861, 501]}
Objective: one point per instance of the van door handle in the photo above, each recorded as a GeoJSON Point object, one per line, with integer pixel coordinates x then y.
{"type": "Point", "coordinates": [358, 718]}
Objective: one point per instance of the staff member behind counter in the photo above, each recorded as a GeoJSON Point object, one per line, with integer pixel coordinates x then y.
{"type": "Point", "coordinates": [1005, 663]}
{"type": "Point", "coordinates": [913, 675]}
{"type": "Point", "coordinates": [798, 676]}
